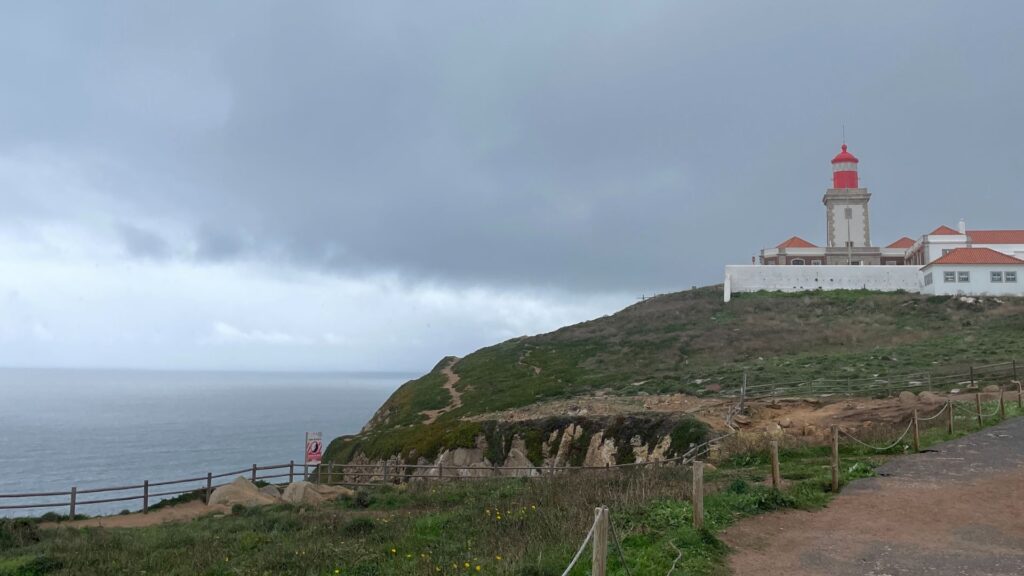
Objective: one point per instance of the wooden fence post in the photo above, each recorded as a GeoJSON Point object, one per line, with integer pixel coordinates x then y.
{"type": "Point", "coordinates": [776, 474]}
{"type": "Point", "coordinates": [917, 433]}
{"type": "Point", "coordinates": [599, 562]}
{"type": "Point", "coordinates": [972, 377]}
{"type": "Point", "coordinates": [74, 499]}
{"type": "Point", "coordinates": [835, 458]}
{"type": "Point", "coordinates": [145, 496]}
{"type": "Point", "coordinates": [949, 417]}
{"type": "Point", "coordinates": [1020, 396]}
{"type": "Point", "coordinates": [209, 486]}
{"type": "Point", "coordinates": [330, 472]}
{"type": "Point", "coordinates": [1002, 405]}
{"type": "Point", "coordinates": [440, 470]}
{"type": "Point", "coordinates": [291, 471]}
{"type": "Point", "coordinates": [698, 494]}
{"type": "Point", "coordinates": [977, 404]}
{"type": "Point", "coordinates": [253, 473]}
{"type": "Point", "coordinates": [1014, 363]}
{"type": "Point", "coordinates": [385, 471]}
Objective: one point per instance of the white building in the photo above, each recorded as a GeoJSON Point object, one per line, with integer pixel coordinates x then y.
{"type": "Point", "coordinates": [974, 271]}
{"type": "Point", "coordinates": [944, 261]}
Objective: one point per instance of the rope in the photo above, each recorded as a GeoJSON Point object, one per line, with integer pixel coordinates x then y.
{"type": "Point", "coordinates": [936, 415]}
{"type": "Point", "coordinates": [580, 551]}
{"type": "Point", "coordinates": [674, 562]}
{"type": "Point", "coordinates": [618, 546]}
{"type": "Point", "coordinates": [893, 445]}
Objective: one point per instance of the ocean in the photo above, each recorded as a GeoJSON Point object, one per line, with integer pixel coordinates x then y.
{"type": "Point", "coordinates": [99, 428]}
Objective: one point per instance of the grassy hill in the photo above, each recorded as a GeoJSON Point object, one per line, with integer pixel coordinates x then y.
{"type": "Point", "coordinates": [683, 342]}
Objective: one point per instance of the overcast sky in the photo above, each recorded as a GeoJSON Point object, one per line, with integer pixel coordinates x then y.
{"type": "Point", "coordinates": [373, 185]}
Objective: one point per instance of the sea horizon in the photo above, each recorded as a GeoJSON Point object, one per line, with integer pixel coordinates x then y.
{"type": "Point", "coordinates": [99, 427]}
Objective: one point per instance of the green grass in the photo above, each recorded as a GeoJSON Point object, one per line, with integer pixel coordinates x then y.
{"type": "Point", "coordinates": [685, 341]}
{"type": "Point", "coordinates": [506, 526]}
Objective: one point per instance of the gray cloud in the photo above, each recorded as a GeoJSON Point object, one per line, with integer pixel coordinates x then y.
{"type": "Point", "coordinates": [142, 243]}
{"type": "Point", "coordinates": [590, 146]}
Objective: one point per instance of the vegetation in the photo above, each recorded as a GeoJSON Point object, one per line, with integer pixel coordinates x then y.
{"type": "Point", "coordinates": [686, 341]}
{"type": "Point", "coordinates": [501, 526]}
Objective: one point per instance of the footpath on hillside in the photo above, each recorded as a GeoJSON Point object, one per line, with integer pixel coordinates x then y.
{"type": "Point", "coordinates": [956, 509]}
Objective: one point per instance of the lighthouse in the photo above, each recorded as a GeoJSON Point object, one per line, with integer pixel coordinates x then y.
{"type": "Point", "coordinates": [846, 212]}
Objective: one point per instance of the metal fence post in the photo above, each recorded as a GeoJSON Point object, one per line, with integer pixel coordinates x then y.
{"type": "Point", "coordinates": [74, 498]}
{"type": "Point", "coordinates": [209, 486]}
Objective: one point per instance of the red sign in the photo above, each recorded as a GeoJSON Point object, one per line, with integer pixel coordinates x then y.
{"type": "Point", "coordinates": [314, 447]}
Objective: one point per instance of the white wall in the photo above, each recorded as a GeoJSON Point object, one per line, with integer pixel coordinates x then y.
{"type": "Point", "coordinates": [857, 223]}
{"type": "Point", "coordinates": [980, 283]}
{"type": "Point", "coordinates": [801, 278]}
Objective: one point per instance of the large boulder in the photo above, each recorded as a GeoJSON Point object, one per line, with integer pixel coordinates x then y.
{"type": "Point", "coordinates": [240, 491]}
{"type": "Point", "coordinates": [312, 494]}
{"type": "Point", "coordinates": [930, 397]}
{"type": "Point", "coordinates": [907, 397]}
{"type": "Point", "coordinates": [301, 493]}
{"type": "Point", "coordinates": [991, 388]}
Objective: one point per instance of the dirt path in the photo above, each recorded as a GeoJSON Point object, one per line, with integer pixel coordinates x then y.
{"type": "Point", "coordinates": [451, 378]}
{"type": "Point", "coordinates": [957, 510]}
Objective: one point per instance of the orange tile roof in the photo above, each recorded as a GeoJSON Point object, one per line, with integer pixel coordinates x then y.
{"type": "Point", "coordinates": [996, 236]}
{"type": "Point", "coordinates": [976, 256]}
{"type": "Point", "coordinates": [901, 243]}
{"type": "Point", "coordinates": [944, 231]}
{"type": "Point", "coordinates": [796, 242]}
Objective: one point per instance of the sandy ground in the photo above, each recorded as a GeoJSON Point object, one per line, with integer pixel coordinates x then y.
{"type": "Point", "coordinates": [179, 513]}
{"type": "Point", "coordinates": [957, 510]}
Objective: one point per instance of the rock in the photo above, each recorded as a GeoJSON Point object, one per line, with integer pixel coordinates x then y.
{"type": "Point", "coordinates": [241, 491]}
{"type": "Point", "coordinates": [990, 388]}
{"type": "Point", "coordinates": [708, 467]}
{"type": "Point", "coordinates": [773, 430]}
{"type": "Point", "coordinates": [954, 391]}
{"type": "Point", "coordinates": [713, 388]}
{"type": "Point", "coordinates": [810, 430]}
{"type": "Point", "coordinates": [741, 419]}
{"type": "Point", "coordinates": [907, 397]}
{"type": "Point", "coordinates": [812, 400]}
{"type": "Point", "coordinates": [929, 397]}
{"type": "Point", "coordinates": [271, 490]}
{"type": "Point", "coordinates": [333, 492]}
{"type": "Point", "coordinates": [785, 423]}
{"type": "Point", "coordinates": [301, 493]}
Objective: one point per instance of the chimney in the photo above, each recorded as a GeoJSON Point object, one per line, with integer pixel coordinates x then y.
{"type": "Point", "coordinates": [962, 227]}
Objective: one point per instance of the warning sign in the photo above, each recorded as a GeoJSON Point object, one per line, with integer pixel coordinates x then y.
{"type": "Point", "coordinates": [314, 447]}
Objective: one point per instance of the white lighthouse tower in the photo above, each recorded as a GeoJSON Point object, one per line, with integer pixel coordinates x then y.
{"type": "Point", "coordinates": [846, 213]}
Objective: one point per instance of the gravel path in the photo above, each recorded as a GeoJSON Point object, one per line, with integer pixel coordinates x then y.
{"type": "Point", "coordinates": [955, 510]}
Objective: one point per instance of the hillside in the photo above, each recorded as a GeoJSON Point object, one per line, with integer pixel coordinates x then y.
{"type": "Point", "coordinates": [691, 342]}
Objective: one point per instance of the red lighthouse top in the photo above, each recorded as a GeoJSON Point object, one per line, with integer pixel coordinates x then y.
{"type": "Point", "coordinates": [844, 170]}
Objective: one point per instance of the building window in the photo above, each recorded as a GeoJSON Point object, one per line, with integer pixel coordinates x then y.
{"type": "Point", "coordinates": [797, 261]}
{"type": "Point", "coordinates": [1010, 276]}
{"type": "Point", "coordinates": [997, 276]}
{"type": "Point", "coordinates": [815, 262]}
{"type": "Point", "coordinates": [891, 263]}
{"type": "Point", "coordinates": [963, 276]}
{"type": "Point", "coordinates": [949, 277]}
{"type": "Point", "coordinates": [928, 279]}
